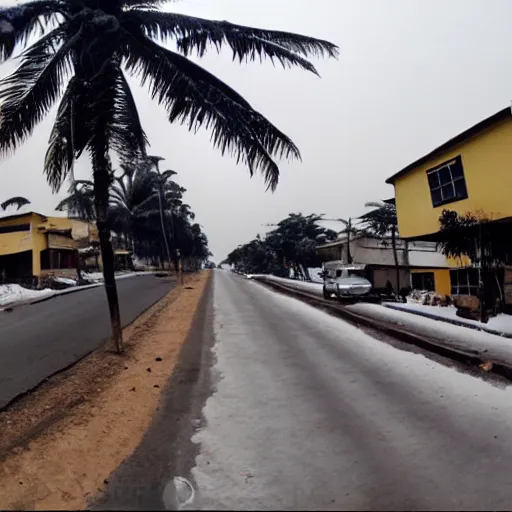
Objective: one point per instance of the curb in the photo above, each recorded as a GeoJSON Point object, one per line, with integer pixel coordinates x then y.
{"type": "Point", "coordinates": [450, 321]}
{"type": "Point", "coordinates": [471, 358]}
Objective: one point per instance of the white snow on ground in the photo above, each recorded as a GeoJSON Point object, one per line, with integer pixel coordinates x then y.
{"type": "Point", "coordinates": [313, 274]}
{"type": "Point", "coordinates": [500, 323]}
{"type": "Point", "coordinates": [65, 280]}
{"type": "Point", "coordinates": [10, 293]}
{"type": "Point", "coordinates": [461, 338]}
{"type": "Point", "coordinates": [97, 277]}
{"type": "Point", "coordinates": [495, 347]}
{"type": "Point", "coordinates": [252, 403]}
{"type": "Point", "coordinates": [315, 288]}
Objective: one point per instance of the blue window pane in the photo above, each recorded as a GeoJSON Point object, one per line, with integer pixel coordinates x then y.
{"type": "Point", "coordinates": [460, 189]}
{"type": "Point", "coordinates": [433, 180]}
{"type": "Point", "coordinates": [448, 192]}
{"type": "Point", "coordinates": [444, 175]}
{"type": "Point", "coordinates": [436, 197]}
{"type": "Point", "coordinates": [456, 168]}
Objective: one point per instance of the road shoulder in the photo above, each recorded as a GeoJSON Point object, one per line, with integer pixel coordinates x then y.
{"type": "Point", "coordinates": [96, 413]}
{"type": "Point", "coordinates": [145, 481]}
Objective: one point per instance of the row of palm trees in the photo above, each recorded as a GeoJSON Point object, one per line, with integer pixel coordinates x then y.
{"type": "Point", "coordinates": [78, 57]}
{"type": "Point", "coordinates": [146, 213]}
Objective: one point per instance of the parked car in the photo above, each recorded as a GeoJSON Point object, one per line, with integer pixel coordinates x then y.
{"type": "Point", "coordinates": [345, 281]}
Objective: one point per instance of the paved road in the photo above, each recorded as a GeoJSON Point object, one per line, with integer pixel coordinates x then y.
{"type": "Point", "coordinates": [40, 339]}
{"type": "Point", "coordinates": [299, 410]}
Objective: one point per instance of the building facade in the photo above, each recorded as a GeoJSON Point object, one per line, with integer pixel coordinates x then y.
{"type": "Point", "coordinates": [33, 245]}
{"type": "Point", "coordinates": [470, 173]}
{"type": "Point", "coordinates": [420, 263]}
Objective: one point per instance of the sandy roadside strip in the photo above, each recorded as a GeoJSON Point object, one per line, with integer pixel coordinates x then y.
{"type": "Point", "coordinates": [59, 445]}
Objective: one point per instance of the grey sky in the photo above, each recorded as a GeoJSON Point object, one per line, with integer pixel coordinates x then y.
{"type": "Point", "coordinates": [411, 74]}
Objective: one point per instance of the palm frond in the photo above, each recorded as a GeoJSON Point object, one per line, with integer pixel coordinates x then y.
{"type": "Point", "coordinates": [59, 155]}
{"type": "Point", "coordinates": [127, 135]}
{"type": "Point", "coordinates": [247, 43]}
{"type": "Point", "coordinates": [19, 23]}
{"type": "Point", "coordinates": [18, 201]}
{"type": "Point", "coordinates": [167, 174]}
{"type": "Point", "coordinates": [28, 94]}
{"type": "Point", "coordinates": [195, 97]}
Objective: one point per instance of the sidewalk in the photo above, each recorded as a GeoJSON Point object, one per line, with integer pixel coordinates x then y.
{"type": "Point", "coordinates": [463, 336]}
{"type": "Point", "coordinates": [500, 325]}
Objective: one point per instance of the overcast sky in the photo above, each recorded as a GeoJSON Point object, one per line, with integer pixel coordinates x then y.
{"type": "Point", "coordinates": [411, 74]}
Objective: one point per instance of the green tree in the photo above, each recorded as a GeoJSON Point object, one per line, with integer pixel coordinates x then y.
{"type": "Point", "coordinates": [293, 243]}
{"type": "Point", "coordinates": [93, 43]}
{"type": "Point", "coordinates": [488, 245]}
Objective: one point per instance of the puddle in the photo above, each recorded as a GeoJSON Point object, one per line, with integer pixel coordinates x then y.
{"type": "Point", "coordinates": [178, 494]}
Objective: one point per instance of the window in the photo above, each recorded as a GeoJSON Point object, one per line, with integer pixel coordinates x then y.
{"type": "Point", "coordinates": [423, 281]}
{"type": "Point", "coordinates": [447, 183]}
{"type": "Point", "coordinates": [14, 229]}
{"type": "Point", "coordinates": [464, 281]}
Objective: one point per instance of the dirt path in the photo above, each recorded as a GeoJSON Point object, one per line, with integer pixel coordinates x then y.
{"type": "Point", "coordinates": [60, 444]}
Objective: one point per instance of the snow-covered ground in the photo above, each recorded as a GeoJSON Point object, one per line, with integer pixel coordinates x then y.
{"type": "Point", "coordinates": [322, 416]}
{"type": "Point", "coordinates": [11, 293]}
{"type": "Point", "coordinates": [313, 274]}
{"type": "Point", "coordinates": [315, 288]}
{"type": "Point", "coordinates": [97, 277]}
{"type": "Point", "coordinates": [501, 323]}
{"type": "Point", "coordinates": [486, 344]}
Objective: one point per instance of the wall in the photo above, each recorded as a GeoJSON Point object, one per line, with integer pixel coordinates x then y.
{"type": "Point", "coordinates": [32, 240]}
{"type": "Point", "coordinates": [39, 243]}
{"type": "Point", "coordinates": [487, 162]}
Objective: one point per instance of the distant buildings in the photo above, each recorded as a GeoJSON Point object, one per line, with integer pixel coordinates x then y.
{"type": "Point", "coordinates": [34, 246]}
{"type": "Point", "coordinates": [421, 264]}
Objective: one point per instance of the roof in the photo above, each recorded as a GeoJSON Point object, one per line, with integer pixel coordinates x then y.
{"type": "Point", "coordinates": [19, 215]}
{"type": "Point", "coordinates": [474, 130]}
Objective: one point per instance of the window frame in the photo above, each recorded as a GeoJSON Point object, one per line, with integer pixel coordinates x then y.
{"type": "Point", "coordinates": [424, 277]}
{"type": "Point", "coordinates": [436, 170]}
{"type": "Point", "coordinates": [464, 280]}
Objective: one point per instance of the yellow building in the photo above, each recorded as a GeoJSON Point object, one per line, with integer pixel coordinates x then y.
{"type": "Point", "coordinates": [470, 173]}
{"type": "Point", "coordinates": [33, 245]}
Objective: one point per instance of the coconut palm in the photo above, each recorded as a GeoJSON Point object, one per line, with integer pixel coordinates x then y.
{"type": "Point", "coordinates": [18, 202]}
{"type": "Point", "coordinates": [93, 43]}
{"type": "Point", "coordinates": [382, 221]}
{"type": "Point", "coordinates": [80, 201]}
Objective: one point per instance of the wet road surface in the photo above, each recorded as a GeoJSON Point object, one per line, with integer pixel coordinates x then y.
{"type": "Point", "coordinates": [40, 339]}
{"type": "Point", "coordinates": [296, 410]}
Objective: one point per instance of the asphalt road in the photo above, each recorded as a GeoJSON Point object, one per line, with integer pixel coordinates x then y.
{"type": "Point", "coordinates": [295, 409]}
{"type": "Point", "coordinates": [40, 339]}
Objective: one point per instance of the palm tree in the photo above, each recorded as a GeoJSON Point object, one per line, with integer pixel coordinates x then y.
{"type": "Point", "coordinates": [93, 43]}
{"type": "Point", "coordinates": [382, 221]}
{"type": "Point", "coordinates": [80, 201]}
{"type": "Point", "coordinates": [18, 202]}
{"type": "Point", "coordinates": [350, 230]}
{"type": "Point", "coordinates": [160, 180]}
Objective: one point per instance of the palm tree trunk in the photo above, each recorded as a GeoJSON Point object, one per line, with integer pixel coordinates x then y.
{"type": "Point", "coordinates": [395, 256]}
{"type": "Point", "coordinates": [101, 200]}
{"type": "Point", "coordinates": [162, 221]}
{"type": "Point", "coordinates": [349, 230]}
{"type": "Point", "coordinates": [162, 224]}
